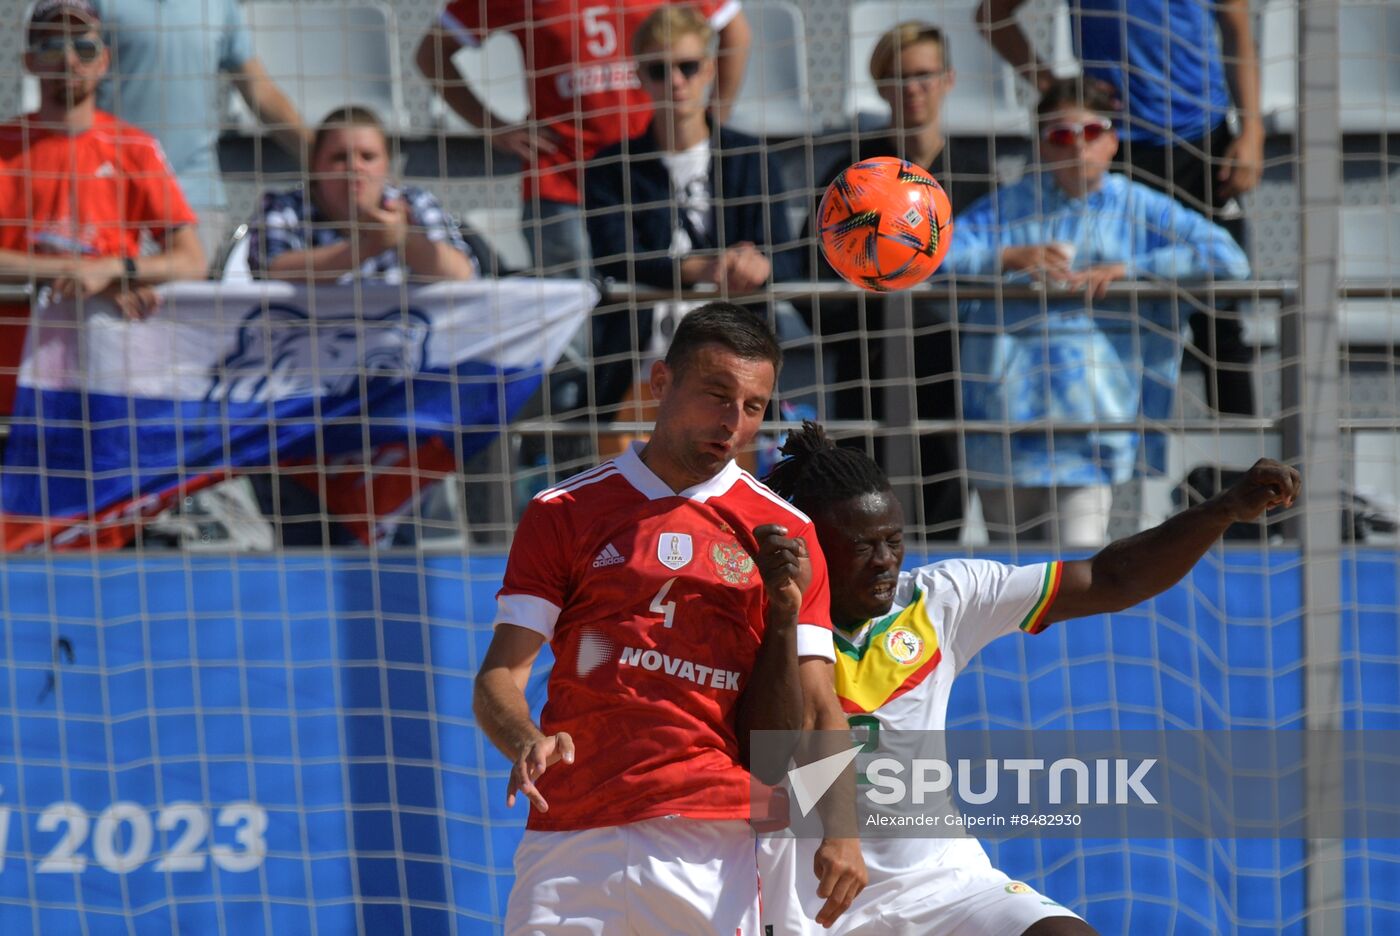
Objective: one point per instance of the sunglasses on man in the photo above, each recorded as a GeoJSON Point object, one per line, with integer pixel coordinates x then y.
{"type": "Point", "coordinates": [1068, 134]}
{"type": "Point", "coordinates": [660, 71]}
{"type": "Point", "coordinates": [54, 49]}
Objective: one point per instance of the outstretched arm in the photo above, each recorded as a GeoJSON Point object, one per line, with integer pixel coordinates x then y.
{"type": "Point", "coordinates": [1134, 569]}
{"type": "Point", "coordinates": [503, 713]}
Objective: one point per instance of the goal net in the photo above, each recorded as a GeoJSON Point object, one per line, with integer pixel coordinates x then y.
{"type": "Point", "coordinates": [255, 524]}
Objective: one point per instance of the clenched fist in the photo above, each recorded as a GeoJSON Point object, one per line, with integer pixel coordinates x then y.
{"type": "Point", "coordinates": [785, 566]}
{"type": "Point", "coordinates": [1268, 484]}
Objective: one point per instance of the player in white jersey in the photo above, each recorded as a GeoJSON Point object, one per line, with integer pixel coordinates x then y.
{"type": "Point", "coordinates": [903, 636]}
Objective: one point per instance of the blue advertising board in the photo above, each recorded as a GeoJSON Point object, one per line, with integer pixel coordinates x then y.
{"type": "Point", "coordinates": [285, 744]}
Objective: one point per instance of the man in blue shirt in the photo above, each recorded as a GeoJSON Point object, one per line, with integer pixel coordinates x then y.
{"type": "Point", "coordinates": [166, 60]}
{"type": "Point", "coordinates": [1176, 82]}
{"type": "Point", "coordinates": [1087, 360]}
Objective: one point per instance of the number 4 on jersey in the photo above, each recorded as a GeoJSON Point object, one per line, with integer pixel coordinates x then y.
{"type": "Point", "coordinates": [659, 604]}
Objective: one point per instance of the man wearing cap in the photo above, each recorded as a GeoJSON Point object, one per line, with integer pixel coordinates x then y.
{"type": "Point", "coordinates": [79, 189]}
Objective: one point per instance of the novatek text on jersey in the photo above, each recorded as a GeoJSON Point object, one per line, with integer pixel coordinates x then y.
{"type": "Point", "coordinates": [654, 660]}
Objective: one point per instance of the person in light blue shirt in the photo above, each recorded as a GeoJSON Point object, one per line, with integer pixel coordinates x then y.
{"type": "Point", "coordinates": [167, 56]}
{"type": "Point", "coordinates": [1071, 222]}
{"type": "Point", "coordinates": [1179, 67]}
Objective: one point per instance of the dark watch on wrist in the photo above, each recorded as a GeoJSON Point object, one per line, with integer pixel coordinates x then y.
{"type": "Point", "coordinates": [130, 263]}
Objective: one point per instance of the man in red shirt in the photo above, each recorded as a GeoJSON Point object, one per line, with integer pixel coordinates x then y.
{"type": "Point", "coordinates": [584, 89]}
{"type": "Point", "coordinates": [686, 605]}
{"type": "Point", "coordinates": [78, 188]}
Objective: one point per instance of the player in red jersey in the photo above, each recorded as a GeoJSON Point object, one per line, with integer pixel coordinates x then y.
{"type": "Point", "coordinates": [583, 87]}
{"type": "Point", "coordinates": [686, 605]}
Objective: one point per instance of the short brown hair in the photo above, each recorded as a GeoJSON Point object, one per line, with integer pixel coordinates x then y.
{"type": "Point", "coordinates": [1063, 93]}
{"type": "Point", "coordinates": [900, 37]}
{"type": "Point", "coordinates": [666, 24]}
{"type": "Point", "coordinates": [724, 323]}
{"type": "Point", "coordinates": [351, 115]}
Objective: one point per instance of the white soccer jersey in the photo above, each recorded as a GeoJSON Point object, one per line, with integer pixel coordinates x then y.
{"type": "Point", "coordinates": [895, 674]}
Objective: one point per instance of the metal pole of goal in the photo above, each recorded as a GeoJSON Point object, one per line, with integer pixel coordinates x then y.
{"type": "Point", "coordinates": [1313, 441]}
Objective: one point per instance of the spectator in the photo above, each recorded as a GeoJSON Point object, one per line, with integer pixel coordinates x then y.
{"type": "Point", "coordinates": [684, 202]}
{"type": "Point", "coordinates": [353, 225]}
{"type": "Point", "coordinates": [167, 59]}
{"type": "Point", "coordinates": [79, 188]}
{"type": "Point", "coordinates": [1072, 221]}
{"type": "Point", "coordinates": [1181, 84]}
{"type": "Point", "coordinates": [352, 222]}
{"type": "Point", "coordinates": [585, 95]}
{"type": "Point", "coordinates": [912, 68]}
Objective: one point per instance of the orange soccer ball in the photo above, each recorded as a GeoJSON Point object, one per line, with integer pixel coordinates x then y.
{"type": "Point", "coordinates": [885, 224]}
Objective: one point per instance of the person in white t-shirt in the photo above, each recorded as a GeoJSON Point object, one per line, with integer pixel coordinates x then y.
{"type": "Point", "coordinates": [687, 201]}
{"type": "Point", "coordinates": [903, 636]}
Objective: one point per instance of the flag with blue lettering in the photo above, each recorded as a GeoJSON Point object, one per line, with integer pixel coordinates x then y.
{"type": "Point", "coordinates": [113, 419]}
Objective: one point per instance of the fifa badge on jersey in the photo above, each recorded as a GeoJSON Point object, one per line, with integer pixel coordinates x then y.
{"type": "Point", "coordinates": [732, 562]}
{"type": "Point", "coordinates": [674, 550]}
{"type": "Point", "coordinates": [903, 646]}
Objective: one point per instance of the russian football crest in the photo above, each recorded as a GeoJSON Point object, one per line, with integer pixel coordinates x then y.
{"type": "Point", "coordinates": [732, 562]}
{"type": "Point", "coordinates": [674, 550]}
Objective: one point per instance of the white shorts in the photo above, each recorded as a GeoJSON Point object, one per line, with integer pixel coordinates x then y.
{"type": "Point", "coordinates": [670, 875]}
{"type": "Point", "coordinates": [957, 894]}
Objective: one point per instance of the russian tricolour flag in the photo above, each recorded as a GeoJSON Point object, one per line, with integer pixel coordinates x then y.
{"type": "Point", "coordinates": [114, 419]}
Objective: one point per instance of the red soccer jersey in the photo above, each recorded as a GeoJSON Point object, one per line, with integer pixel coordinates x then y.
{"type": "Point", "coordinates": [583, 83]}
{"type": "Point", "coordinates": [654, 611]}
{"type": "Point", "coordinates": [86, 195]}
{"type": "Point", "coordinates": [89, 194]}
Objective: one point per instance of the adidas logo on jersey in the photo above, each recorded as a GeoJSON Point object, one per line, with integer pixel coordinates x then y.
{"type": "Point", "coordinates": [608, 557]}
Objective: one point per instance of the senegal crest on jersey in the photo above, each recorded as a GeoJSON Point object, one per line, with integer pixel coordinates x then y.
{"type": "Point", "coordinates": [903, 645]}
{"type": "Point", "coordinates": [886, 658]}
{"type": "Point", "coordinates": [732, 562]}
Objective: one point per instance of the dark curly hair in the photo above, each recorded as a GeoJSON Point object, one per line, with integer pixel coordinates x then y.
{"type": "Point", "coordinates": [817, 472]}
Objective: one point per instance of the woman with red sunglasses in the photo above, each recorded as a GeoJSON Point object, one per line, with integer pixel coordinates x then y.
{"type": "Point", "coordinates": [1074, 356]}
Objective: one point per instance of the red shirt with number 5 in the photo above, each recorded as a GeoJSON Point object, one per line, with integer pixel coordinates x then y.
{"type": "Point", "coordinates": [578, 56]}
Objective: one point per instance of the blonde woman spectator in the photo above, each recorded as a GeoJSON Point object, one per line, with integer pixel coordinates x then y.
{"type": "Point", "coordinates": [353, 223]}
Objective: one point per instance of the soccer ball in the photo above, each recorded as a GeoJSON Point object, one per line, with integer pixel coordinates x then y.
{"type": "Point", "coordinates": [885, 224]}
